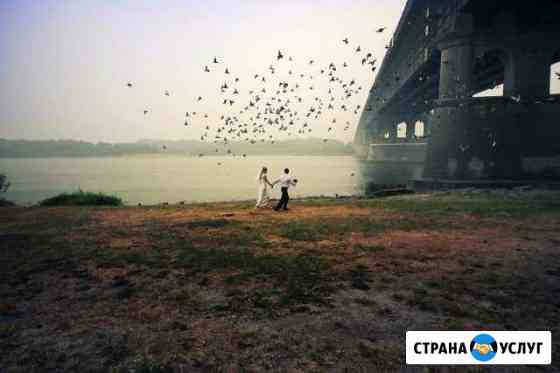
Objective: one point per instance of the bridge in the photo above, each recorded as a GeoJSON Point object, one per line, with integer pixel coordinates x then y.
{"type": "Point", "coordinates": [423, 106]}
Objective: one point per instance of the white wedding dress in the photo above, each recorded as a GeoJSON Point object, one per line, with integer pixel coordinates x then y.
{"type": "Point", "coordinates": [263, 199]}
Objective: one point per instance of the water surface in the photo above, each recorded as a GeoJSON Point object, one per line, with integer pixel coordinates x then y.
{"type": "Point", "coordinates": [157, 179]}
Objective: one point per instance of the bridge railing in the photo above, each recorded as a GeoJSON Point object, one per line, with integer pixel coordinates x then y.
{"type": "Point", "coordinates": [412, 48]}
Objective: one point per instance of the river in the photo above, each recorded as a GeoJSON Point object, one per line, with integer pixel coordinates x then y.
{"type": "Point", "coordinates": [158, 179]}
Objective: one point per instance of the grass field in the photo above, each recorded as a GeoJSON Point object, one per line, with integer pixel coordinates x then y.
{"type": "Point", "coordinates": [330, 286]}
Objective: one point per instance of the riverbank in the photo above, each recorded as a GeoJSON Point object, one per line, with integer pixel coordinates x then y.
{"type": "Point", "coordinates": [331, 285]}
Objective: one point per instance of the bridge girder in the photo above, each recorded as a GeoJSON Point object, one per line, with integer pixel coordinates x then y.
{"type": "Point", "coordinates": [466, 46]}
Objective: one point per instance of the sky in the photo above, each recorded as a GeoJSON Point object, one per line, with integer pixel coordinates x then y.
{"type": "Point", "coordinates": [66, 63]}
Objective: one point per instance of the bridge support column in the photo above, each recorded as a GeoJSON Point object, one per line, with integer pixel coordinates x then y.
{"type": "Point", "coordinates": [450, 121]}
{"type": "Point", "coordinates": [528, 74]}
{"type": "Point", "coordinates": [387, 125]}
{"type": "Point", "coordinates": [364, 137]}
{"type": "Point", "coordinates": [410, 130]}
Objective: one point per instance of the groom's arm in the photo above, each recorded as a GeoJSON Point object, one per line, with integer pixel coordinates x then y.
{"type": "Point", "coordinates": [268, 182]}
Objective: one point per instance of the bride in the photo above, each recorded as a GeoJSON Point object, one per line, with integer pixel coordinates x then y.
{"type": "Point", "coordinates": [262, 197]}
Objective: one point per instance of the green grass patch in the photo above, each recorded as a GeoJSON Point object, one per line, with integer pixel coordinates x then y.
{"type": "Point", "coordinates": [120, 232]}
{"type": "Point", "coordinates": [311, 230]}
{"type": "Point", "coordinates": [300, 276]}
{"type": "Point", "coordinates": [230, 239]}
{"type": "Point", "coordinates": [81, 198]}
{"type": "Point", "coordinates": [207, 223]}
{"type": "Point", "coordinates": [337, 228]}
{"type": "Point", "coordinates": [477, 204]}
{"type": "Point", "coordinates": [360, 277]}
{"type": "Point", "coordinates": [366, 249]}
{"type": "Point", "coordinates": [142, 364]}
{"type": "Point", "coordinates": [322, 201]}
{"type": "Point", "coordinates": [208, 233]}
{"type": "Point", "coordinates": [154, 258]}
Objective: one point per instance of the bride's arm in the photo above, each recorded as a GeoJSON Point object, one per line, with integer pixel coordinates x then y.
{"type": "Point", "coordinates": [268, 182]}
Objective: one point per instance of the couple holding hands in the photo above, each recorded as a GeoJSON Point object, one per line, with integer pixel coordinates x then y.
{"type": "Point", "coordinates": [285, 181]}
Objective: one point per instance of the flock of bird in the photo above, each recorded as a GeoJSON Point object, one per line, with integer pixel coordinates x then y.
{"type": "Point", "coordinates": [275, 105]}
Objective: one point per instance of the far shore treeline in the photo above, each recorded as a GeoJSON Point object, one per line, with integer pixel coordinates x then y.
{"type": "Point", "coordinates": [73, 148]}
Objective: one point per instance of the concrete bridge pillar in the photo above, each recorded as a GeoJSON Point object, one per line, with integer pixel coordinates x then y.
{"type": "Point", "coordinates": [526, 77]}
{"type": "Point", "coordinates": [456, 72]}
{"type": "Point", "coordinates": [410, 130]}
{"type": "Point", "coordinates": [450, 120]}
{"type": "Point", "coordinates": [392, 128]}
{"type": "Point", "coordinates": [528, 73]}
{"type": "Point", "coordinates": [364, 136]}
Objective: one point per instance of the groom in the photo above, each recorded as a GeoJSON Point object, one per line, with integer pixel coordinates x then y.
{"type": "Point", "coordinates": [285, 182]}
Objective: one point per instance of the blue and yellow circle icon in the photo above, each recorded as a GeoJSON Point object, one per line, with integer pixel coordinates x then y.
{"type": "Point", "coordinates": [484, 347]}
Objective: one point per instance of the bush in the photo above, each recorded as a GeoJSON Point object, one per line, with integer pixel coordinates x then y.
{"type": "Point", "coordinates": [4, 184]}
{"type": "Point", "coordinates": [81, 198]}
{"type": "Point", "coordinates": [6, 203]}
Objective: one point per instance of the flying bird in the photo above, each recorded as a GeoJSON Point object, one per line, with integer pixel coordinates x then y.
{"type": "Point", "coordinates": [381, 29]}
{"type": "Point", "coordinates": [345, 41]}
{"type": "Point", "coordinates": [129, 84]}
{"type": "Point", "coordinates": [280, 55]}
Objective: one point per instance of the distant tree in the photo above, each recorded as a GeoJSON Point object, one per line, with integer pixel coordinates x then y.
{"type": "Point", "coordinates": [4, 184]}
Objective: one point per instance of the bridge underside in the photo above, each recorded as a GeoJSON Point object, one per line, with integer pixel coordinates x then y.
{"type": "Point", "coordinates": [424, 91]}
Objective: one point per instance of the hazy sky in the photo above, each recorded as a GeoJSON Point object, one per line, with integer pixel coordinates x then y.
{"type": "Point", "coordinates": [65, 63]}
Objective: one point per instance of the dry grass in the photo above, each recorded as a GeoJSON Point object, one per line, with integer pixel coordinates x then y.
{"type": "Point", "coordinates": [329, 286]}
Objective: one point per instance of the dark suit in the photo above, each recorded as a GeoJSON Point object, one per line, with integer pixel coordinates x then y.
{"type": "Point", "coordinates": [283, 203]}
